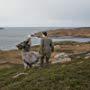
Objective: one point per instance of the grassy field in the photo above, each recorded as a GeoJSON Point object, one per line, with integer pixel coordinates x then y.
{"type": "Point", "coordinates": [74, 75]}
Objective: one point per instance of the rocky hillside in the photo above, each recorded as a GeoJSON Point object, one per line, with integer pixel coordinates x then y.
{"type": "Point", "coordinates": [7, 58]}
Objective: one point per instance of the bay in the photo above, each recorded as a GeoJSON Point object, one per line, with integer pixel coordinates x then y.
{"type": "Point", "coordinates": [11, 36]}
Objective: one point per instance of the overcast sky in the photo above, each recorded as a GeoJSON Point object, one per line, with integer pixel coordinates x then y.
{"type": "Point", "coordinates": [61, 13]}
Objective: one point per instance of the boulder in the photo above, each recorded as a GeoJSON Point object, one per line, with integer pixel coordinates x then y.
{"type": "Point", "coordinates": [61, 58]}
{"type": "Point", "coordinates": [19, 74]}
{"type": "Point", "coordinates": [87, 56]}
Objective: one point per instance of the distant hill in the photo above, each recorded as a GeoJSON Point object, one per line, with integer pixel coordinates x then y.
{"type": "Point", "coordinates": [76, 32]}
{"type": "Point", "coordinates": [1, 28]}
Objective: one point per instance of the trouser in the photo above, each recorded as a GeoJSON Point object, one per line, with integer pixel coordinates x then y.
{"type": "Point", "coordinates": [44, 58]}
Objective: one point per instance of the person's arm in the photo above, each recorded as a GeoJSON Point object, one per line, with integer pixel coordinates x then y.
{"type": "Point", "coordinates": [52, 45]}
{"type": "Point", "coordinates": [41, 46]}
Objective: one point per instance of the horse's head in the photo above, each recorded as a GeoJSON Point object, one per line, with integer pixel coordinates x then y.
{"type": "Point", "coordinates": [20, 46]}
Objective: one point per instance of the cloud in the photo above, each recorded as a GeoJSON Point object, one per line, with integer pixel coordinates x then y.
{"type": "Point", "coordinates": [68, 23]}
{"type": "Point", "coordinates": [23, 13]}
{"type": "Point", "coordinates": [44, 13]}
{"type": "Point", "coordinates": [69, 12]}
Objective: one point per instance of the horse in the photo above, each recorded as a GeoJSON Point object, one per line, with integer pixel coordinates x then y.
{"type": "Point", "coordinates": [31, 58]}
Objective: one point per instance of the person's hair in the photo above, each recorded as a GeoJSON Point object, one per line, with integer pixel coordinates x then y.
{"type": "Point", "coordinates": [44, 33]}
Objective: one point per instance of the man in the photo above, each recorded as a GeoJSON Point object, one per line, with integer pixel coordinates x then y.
{"type": "Point", "coordinates": [47, 48]}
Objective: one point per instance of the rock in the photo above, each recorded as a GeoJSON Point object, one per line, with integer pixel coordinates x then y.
{"type": "Point", "coordinates": [57, 46]}
{"type": "Point", "coordinates": [61, 58]}
{"type": "Point", "coordinates": [61, 55]}
{"type": "Point", "coordinates": [77, 45]}
{"type": "Point", "coordinates": [80, 62]}
{"type": "Point", "coordinates": [19, 74]}
{"type": "Point", "coordinates": [87, 56]}
{"type": "Point", "coordinates": [78, 57]}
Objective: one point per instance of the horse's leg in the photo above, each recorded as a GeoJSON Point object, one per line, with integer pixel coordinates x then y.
{"type": "Point", "coordinates": [25, 65]}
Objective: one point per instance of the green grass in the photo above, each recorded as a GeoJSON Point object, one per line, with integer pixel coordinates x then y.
{"type": "Point", "coordinates": [70, 76]}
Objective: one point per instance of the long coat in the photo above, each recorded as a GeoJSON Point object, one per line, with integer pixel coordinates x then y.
{"type": "Point", "coordinates": [46, 47]}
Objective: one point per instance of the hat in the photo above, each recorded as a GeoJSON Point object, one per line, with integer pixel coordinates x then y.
{"type": "Point", "coordinates": [44, 33]}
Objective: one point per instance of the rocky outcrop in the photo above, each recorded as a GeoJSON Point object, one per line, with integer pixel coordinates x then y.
{"type": "Point", "coordinates": [87, 56]}
{"type": "Point", "coordinates": [61, 58]}
{"type": "Point", "coordinates": [84, 55]}
{"type": "Point", "coordinates": [76, 32]}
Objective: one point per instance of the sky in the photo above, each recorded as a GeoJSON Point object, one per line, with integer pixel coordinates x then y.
{"type": "Point", "coordinates": [44, 13]}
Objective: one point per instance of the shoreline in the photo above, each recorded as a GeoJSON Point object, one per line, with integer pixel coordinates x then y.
{"type": "Point", "coordinates": [68, 39]}
{"type": "Point", "coordinates": [75, 51]}
{"type": "Point", "coordinates": [55, 43]}
{"type": "Point", "coordinates": [56, 34]}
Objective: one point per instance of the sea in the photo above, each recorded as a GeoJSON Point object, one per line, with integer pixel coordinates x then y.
{"type": "Point", "coordinates": [11, 36]}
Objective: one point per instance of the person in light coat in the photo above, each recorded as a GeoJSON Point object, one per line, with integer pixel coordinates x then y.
{"type": "Point", "coordinates": [46, 49]}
